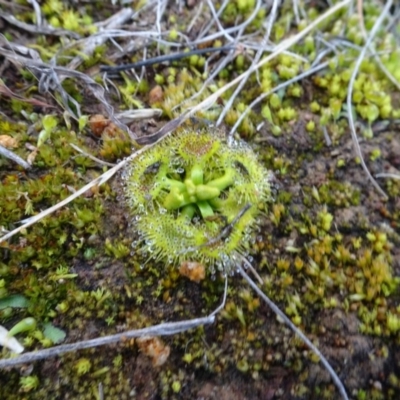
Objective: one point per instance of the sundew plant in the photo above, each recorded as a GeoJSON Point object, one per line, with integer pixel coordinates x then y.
{"type": "Point", "coordinates": [193, 196]}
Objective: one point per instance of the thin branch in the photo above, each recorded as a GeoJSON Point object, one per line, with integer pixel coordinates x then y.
{"type": "Point", "coordinates": [297, 78]}
{"type": "Point", "coordinates": [224, 234]}
{"type": "Point", "coordinates": [4, 90]}
{"type": "Point", "coordinates": [217, 21]}
{"type": "Point", "coordinates": [251, 268]}
{"type": "Point", "coordinates": [120, 33]}
{"type": "Point", "coordinates": [91, 43]}
{"type": "Point", "coordinates": [222, 305]}
{"type": "Point", "coordinates": [14, 157]}
{"type": "Point", "coordinates": [98, 181]}
{"type": "Point", "coordinates": [50, 77]}
{"type": "Point", "coordinates": [101, 162]}
{"type": "Point", "coordinates": [296, 11]}
{"type": "Point", "coordinates": [385, 175]}
{"type": "Point", "coordinates": [164, 58]}
{"type": "Point", "coordinates": [51, 80]}
{"type": "Point", "coordinates": [259, 53]}
{"type": "Point", "coordinates": [228, 31]}
{"type": "Point", "coordinates": [389, 75]}
{"type": "Point", "coordinates": [195, 18]}
{"type": "Point", "coordinates": [38, 13]}
{"type": "Point", "coordinates": [357, 147]}
{"type": "Point", "coordinates": [161, 5]}
{"type": "Point", "coordinates": [220, 66]}
{"type": "Point", "coordinates": [327, 138]}
{"type": "Point", "coordinates": [129, 116]}
{"type": "Point", "coordinates": [165, 329]}
{"type": "Point", "coordinates": [38, 30]}
{"type": "Point", "coordinates": [296, 330]}
{"type": "Point", "coordinates": [360, 5]}
{"type": "Point", "coordinates": [211, 23]}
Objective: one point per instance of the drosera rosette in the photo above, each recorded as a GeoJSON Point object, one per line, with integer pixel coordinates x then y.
{"type": "Point", "coordinates": [193, 197]}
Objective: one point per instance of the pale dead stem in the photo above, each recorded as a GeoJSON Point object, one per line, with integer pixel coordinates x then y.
{"type": "Point", "coordinates": [360, 4]}
{"type": "Point", "coordinates": [96, 182]}
{"type": "Point", "coordinates": [357, 147]}
{"type": "Point", "coordinates": [42, 30]}
{"type": "Point", "coordinates": [226, 32]}
{"type": "Point", "coordinates": [256, 59]}
{"type": "Point", "coordinates": [14, 157]}
{"type": "Point", "coordinates": [293, 327]}
{"type": "Point", "coordinates": [206, 29]}
{"type": "Point", "coordinates": [38, 13]}
{"type": "Point", "coordinates": [260, 98]}
{"type": "Point", "coordinates": [86, 154]}
{"type": "Point", "coordinates": [238, 49]}
{"type": "Point", "coordinates": [236, 43]}
{"type": "Point", "coordinates": [387, 175]}
{"type": "Point", "coordinates": [164, 329]}
{"type": "Point", "coordinates": [91, 43]}
{"type": "Point", "coordinates": [161, 5]}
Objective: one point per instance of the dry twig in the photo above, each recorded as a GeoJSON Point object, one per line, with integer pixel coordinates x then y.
{"type": "Point", "coordinates": [164, 329]}
{"type": "Point", "coordinates": [357, 147]}
{"type": "Point", "coordinates": [38, 30]}
{"type": "Point", "coordinates": [260, 52]}
{"type": "Point", "coordinates": [91, 43]}
{"type": "Point", "coordinates": [260, 98]}
{"type": "Point", "coordinates": [296, 330]}
{"type": "Point", "coordinates": [14, 157]}
{"type": "Point", "coordinates": [95, 159]}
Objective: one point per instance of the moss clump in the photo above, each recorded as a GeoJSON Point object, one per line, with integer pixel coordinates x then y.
{"type": "Point", "coordinates": [194, 195]}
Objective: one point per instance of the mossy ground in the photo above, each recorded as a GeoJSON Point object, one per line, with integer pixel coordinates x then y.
{"type": "Point", "coordinates": [327, 248]}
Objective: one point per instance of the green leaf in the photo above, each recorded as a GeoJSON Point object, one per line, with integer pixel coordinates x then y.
{"type": "Point", "coordinates": [43, 136]}
{"type": "Point", "coordinates": [266, 113]}
{"type": "Point", "coordinates": [56, 335]}
{"type": "Point", "coordinates": [83, 122]}
{"type": "Point", "coordinates": [49, 123]}
{"type": "Point", "coordinates": [14, 301]}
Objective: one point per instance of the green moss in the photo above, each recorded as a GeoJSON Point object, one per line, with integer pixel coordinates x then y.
{"type": "Point", "coordinates": [29, 383]}
{"type": "Point", "coordinates": [83, 366]}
